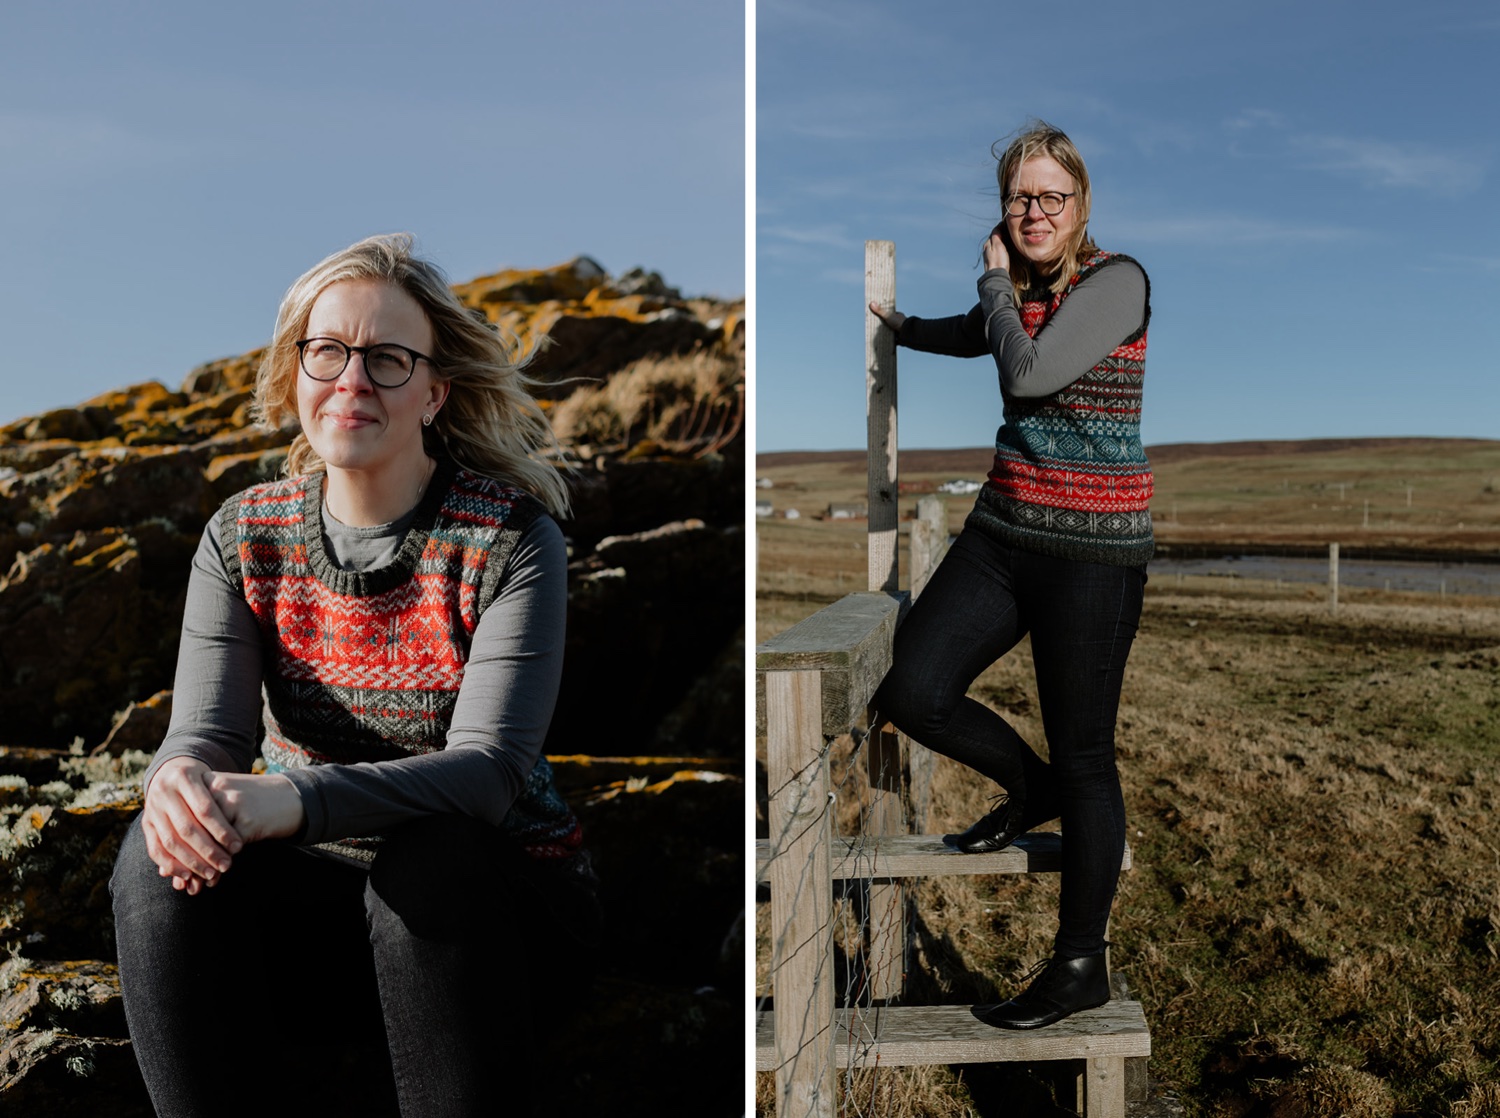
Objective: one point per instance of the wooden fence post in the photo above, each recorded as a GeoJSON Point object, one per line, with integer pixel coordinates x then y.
{"type": "Point", "coordinates": [1333, 578]}
{"type": "Point", "coordinates": [886, 911]}
{"type": "Point", "coordinates": [928, 542]}
{"type": "Point", "coordinates": [801, 895]}
{"type": "Point", "coordinates": [880, 398]}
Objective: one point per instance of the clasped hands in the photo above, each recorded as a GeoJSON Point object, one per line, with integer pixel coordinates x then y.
{"type": "Point", "coordinates": [196, 820]}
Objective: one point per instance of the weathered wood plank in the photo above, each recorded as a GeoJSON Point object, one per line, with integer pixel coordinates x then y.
{"type": "Point", "coordinates": [885, 946]}
{"type": "Point", "coordinates": [950, 1034]}
{"type": "Point", "coordinates": [895, 856]}
{"type": "Point", "coordinates": [880, 403]}
{"type": "Point", "coordinates": [801, 900]}
{"type": "Point", "coordinates": [1103, 1087]}
{"type": "Point", "coordinates": [928, 544]}
{"type": "Point", "coordinates": [849, 642]}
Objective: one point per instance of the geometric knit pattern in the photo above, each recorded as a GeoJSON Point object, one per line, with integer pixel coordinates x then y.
{"type": "Point", "coordinates": [367, 666]}
{"type": "Point", "coordinates": [1070, 478]}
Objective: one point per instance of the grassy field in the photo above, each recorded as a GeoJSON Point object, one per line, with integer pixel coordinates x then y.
{"type": "Point", "coordinates": [1313, 923]}
{"type": "Point", "coordinates": [1422, 494]}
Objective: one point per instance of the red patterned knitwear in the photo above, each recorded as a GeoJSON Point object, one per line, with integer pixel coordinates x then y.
{"type": "Point", "coordinates": [366, 666]}
{"type": "Point", "coordinates": [1070, 477]}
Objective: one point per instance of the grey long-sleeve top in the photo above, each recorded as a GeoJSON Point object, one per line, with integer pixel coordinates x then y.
{"type": "Point", "coordinates": [1098, 314]}
{"type": "Point", "coordinates": [500, 717]}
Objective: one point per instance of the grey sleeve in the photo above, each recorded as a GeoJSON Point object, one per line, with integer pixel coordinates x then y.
{"type": "Point", "coordinates": [499, 722]}
{"type": "Point", "coordinates": [1098, 314]}
{"type": "Point", "coordinates": [216, 695]}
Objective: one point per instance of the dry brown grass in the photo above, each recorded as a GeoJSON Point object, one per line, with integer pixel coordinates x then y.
{"type": "Point", "coordinates": [687, 404]}
{"type": "Point", "coordinates": [1313, 923]}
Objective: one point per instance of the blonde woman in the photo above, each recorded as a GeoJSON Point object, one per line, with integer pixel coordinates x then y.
{"type": "Point", "coordinates": [1056, 547]}
{"type": "Point", "coordinates": [393, 612]}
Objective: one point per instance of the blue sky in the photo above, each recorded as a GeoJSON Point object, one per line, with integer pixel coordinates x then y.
{"type": "Point", "coordinates": [1311, 186]}
{"type": "Point", "coordinates": [167, 169]}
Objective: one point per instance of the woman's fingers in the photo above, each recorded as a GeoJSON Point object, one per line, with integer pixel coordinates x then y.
{"type": "Point", "coordinates": [208, 813]}
{"type": "Point", "coordinates": [995, 253]}
{"type": "Point", "coordinates": [892, 317]}
{"type": "Point", "coordinates": [183, 879]}
{"type": "Point", "coordinates": [187, 835]}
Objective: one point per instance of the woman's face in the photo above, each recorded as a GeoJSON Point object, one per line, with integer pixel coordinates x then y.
{"type": "Point", "coordinates": [1036, 236]}
{"type": "Point", "coordinates": [351, 422]}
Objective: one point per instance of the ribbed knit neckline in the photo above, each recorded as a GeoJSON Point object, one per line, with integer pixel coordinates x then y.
{"type": "Point", "coordinates": [393, 574]}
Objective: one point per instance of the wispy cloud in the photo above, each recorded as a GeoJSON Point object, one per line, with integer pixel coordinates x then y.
{"type": "Point", "coordinates": [1262, 134]}
{"type": "Point", "coordinates": [1254, 118]}
{"type": "Point", "coordinates": [1478, 263]}
{"type": "Point", "coordinates": [824, 236]}
{"type": "Point", "coordinates": [1209, 229]}
{"type": "Point", "coordinates": [1380, 163]}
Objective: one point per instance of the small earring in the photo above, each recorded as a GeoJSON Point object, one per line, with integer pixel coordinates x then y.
{"type": "Point", "coordinates": [427, 421]}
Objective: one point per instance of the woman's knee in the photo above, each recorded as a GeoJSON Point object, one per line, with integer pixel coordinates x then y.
{"type": "Point", "coordinates": [135, 879]}
{"type": "Point", "coordinates": [913, 703]}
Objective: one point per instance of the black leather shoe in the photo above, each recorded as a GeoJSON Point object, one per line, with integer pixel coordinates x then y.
{"type": "Point", "coordinates": [1064, 986]}
{"type": "Point", "coordinates": [995, 831]}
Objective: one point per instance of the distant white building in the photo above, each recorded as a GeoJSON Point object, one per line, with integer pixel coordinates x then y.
{"type": "Point", "coordinates": [961, 486]}
{"type": "Point", "coordinates": [852, 510]}
{"type": "Point", "coordinates": [764, 483]}
{"type": "Point", "coordinates": [793, 514]}
{"type": "Point", "coordinates": [763, 508]}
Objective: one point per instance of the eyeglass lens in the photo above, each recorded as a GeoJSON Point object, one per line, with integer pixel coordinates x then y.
{"type": "Point", "coordinates": [389, 366]}
{"type": "Point", "coordinates": [1052, 204]}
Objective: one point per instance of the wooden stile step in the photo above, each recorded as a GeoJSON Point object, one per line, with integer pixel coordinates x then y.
{"type": "Point", "coordinates": [892, 1036]}
{"type": "Point", "coordinates": [880, 857]}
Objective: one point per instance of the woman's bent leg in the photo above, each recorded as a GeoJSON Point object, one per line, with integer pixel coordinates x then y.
{"type": "Point", "coordinates": [218, 987]}
{"type": "Point", "coordinates": [468, 936]}
{"type": "Point", "coordinates": [965, 619]}
{"type": "Point", "coordinates": [1083, 618]}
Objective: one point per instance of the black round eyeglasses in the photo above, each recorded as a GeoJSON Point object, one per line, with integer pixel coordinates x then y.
{"type": "Point", "coordinates": [1052, 203]}
{"type": "Point", "coordinates": [388, 365]}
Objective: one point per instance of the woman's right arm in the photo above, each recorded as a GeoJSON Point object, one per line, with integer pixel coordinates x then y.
{"type": "Point", "coordinates": [215, 709]}
{"type": "Point", "coordinates": [960, 335]}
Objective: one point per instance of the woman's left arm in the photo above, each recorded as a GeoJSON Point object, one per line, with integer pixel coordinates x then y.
{"type": "Point", "coordinates": [1098, 314]}
{"type": "Point", "coordinates": [500, 718]}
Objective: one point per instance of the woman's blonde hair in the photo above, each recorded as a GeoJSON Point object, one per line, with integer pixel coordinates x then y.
{"type": "Point", "coordinates": [1041, 138]}
{"type": "Point", "coordinates": [490, 423]}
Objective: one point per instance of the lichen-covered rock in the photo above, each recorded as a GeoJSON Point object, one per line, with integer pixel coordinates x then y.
{"type": "Point", "coordinates": [139, 726]}
{"type": "Point", "coordinates": [91, 623]}
{"type": "Point", "coordinates": [55, 864]}
{"type": "Point", "coordinates": [102, 504]}
{"type": "Point", "coordinates": [64, 1048]}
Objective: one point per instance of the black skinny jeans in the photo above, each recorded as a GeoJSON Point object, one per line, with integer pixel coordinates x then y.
{"type": "Point", "coordinates": [1082, 617]}
{"type": "Point", "coordinates": [303, 985]}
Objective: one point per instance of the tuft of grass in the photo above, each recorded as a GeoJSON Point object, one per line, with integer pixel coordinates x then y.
{"type": "Point", "coordinates": [690, 404]}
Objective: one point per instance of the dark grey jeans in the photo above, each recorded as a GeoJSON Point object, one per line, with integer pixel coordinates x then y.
{"type": "Point", "coordinates": [302, 985]}
{"type": "Point", "coordinates": [1082, 617]}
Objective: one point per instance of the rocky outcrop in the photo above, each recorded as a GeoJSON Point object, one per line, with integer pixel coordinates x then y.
{"type": "Point", "coordinates": [101, 508]}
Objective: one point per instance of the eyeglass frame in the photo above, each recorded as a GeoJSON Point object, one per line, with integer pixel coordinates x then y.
{"type": "Point", "coordinates": [1012, 199]}
{"type": "Point", "coordinates": [363, 351]}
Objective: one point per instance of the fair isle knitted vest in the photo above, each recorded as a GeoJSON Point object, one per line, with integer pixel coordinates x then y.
{"type": "Point", "coordinates": [1070, 478]}
{"type": "Point", "coordinates": [366, 666]}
